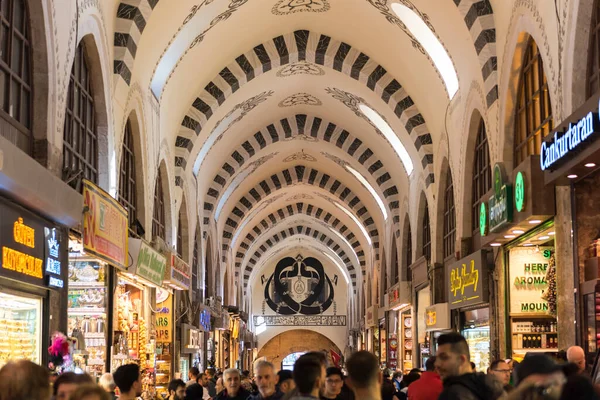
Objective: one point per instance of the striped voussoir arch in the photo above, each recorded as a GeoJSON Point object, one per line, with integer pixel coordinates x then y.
{"type": "Point", "coordinates": [132, 16]}
{"type": "Point", "coordinates": [479, 17]}
{"type": "Point", "coordinates": [313, 47]}
{"type": "Point", "coordinates": [290, 210]}
{"type": "Point", "coordinates": [287, 178]}
{"type": "Point", "coordinates": [295, 231]}
{"type": "Point", "coordinates": [311, 127]}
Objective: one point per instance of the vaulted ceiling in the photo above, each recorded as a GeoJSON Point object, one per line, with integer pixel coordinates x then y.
{"type": "Point", "coordinates": [264, 103]}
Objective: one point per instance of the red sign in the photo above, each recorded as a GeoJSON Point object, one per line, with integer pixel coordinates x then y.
{"type": "Point", "coordinates": [336, 358]}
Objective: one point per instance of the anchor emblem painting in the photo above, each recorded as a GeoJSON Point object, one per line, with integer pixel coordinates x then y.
{"type": "Point", "coordinates": [300, 293]}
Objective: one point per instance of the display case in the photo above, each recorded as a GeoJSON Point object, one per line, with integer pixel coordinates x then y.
{"type": "Point", "coordinates": [20, 328]}
{"type": "Point", "coordinates": [476, 330]}
{"type": "Point", "coordinates": [87, 314]}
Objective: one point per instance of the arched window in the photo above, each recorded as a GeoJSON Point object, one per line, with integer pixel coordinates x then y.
{"type": "Point", "coordinates": [158, 216]}
{"type": "Point", "coordinates": [593, 72]}
{"type": "Point", "coordinates": [80, 145]}
{"type": "Point", "coordinates": [127, 180]}
{"type": "Point", "coordinates": [394, 266]}
{"type": "Point", "coordinates": [179, 237]}
{"type": "Point", "coordinates": [409, 253]}
{"type": "Point", "coordinates": [449, 218]}
{"type": "Point", "coordinates": [196, 294]}
{"type": "Point", "coordinates": [426, 234]}
{"type": "Point", "coordinates": [482, 175]}
{"type": "Point", "coordinates": [534, 112]}
{"type": "Point", "coordinates": [209, 289]}
{"type": "Point", "coordinates": [15, 74]}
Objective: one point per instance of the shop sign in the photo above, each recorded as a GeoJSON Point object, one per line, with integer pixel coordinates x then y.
{"type": "Point", "coordinates": [164, 317]}
{"type": "Point", "coordinates": [564, 143]}
{"type": "Point", "coordinates": [520, 191]}
{"type": "Point", "coordinates": [528, 269]}
{"type": "Point", "coordinates": [467, 280]}
{"type": "Point", "coordinates": [394, 295]}
{"type": "Point", "coordinates": [205, 320]}
{"type": "Point", "coordinates": [104, 226]}
{"type": "Point", "coordinates": [483, 219]}
{"type": "Point", "coordinates": [437, 317]}
{"type": "Point", "coordinates": [501, 203]}
{"type": "Point", "coordinates": [192, 339]}
{"type": "Point", "coordinates": [149, 264]}
{"type": "Point", "coordinates": [178, 273]}
{"type": "Point", "coordinates": [370, 316]}
{"type": "Point", "coordinates": [31, 248]}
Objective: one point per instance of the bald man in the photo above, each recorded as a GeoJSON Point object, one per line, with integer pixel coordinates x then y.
{"type": "Point", "coordinates": [576, 355]}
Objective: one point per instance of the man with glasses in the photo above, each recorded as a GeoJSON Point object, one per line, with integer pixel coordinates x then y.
{"type": "Point", "coordinates": [333, 384]}
{"type": "Point", "coordinates": [500, 370]}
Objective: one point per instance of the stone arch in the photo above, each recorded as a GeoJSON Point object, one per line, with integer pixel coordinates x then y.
{"type": "Point", "coordinates": [287, 178]}
{"type": "Point", "coordinates": [294, 341]}
{"type": "Point", "coordinates": [437, 252]}
{"type": "Point", "coordinates": [43, 73]}
{"type": "Point", "coordinates": [407, 253]}
{"type": "Point", "coordinates": [169, 211]}
{"type": "Point", "coordinates": [423, 204]}
{"type": "Point", "coordinates": [304, 46]}
{"type": "Point", "coordinates": [183, 218]}
{"type": "Point", "coordinates": [307, 128]}
{"type": "Point", "coordinates": [394, 261]}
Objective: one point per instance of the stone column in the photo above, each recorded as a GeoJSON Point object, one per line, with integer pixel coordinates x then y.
{"type": "Point", "coordinates": [565, 272]}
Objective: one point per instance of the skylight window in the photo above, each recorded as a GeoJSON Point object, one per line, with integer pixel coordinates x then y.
{"type": "Point", "coordinates": [431, 44]}
{"type": "Point", "coordinates": [390, 135]}
{"type": "Point", "coordinates": [366, 184]}
{"type": "Point", "coordinates": [362, 228]}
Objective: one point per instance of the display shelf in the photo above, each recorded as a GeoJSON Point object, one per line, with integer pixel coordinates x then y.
{"type": "Point", "coordinates": [87, 311]}
{"type": "Point", "coordinates": [85, 285]}
{"type": "Point", "coordinates": [534, 350]}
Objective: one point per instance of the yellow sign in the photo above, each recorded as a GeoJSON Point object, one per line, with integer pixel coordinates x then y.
{"type": "Point", "coordinates": [23, 234]}
{"type": "Point", "coordinates": [430, 318]}
{"type": "Point", "coordinates": [164, 320]}
{"type": "Point", "coordinates": [460, 278]}
{"type": "Point", "coordinates": [22, 263]}
{"type": "Point", "coordinates": [104, 226]}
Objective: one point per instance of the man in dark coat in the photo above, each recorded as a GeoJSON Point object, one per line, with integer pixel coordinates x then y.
{"type": "Point", "coordinates": [454, 366]}
{"type": "Point", "coordinates": [233, 386]}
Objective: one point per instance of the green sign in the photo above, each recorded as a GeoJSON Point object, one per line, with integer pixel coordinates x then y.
{"type": "Point", "coordinates": [501, 203]}
{"type": "Point", "coordinates": [483, 219]}
{"type": "Point", "coordinates": [520, 191]}
{"type": "Point", "coordinates": [151, 264]}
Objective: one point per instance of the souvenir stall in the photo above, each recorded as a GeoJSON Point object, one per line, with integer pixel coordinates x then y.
{"type": "Point", "coordinates": [135, 334]}
{"type": "Point", "coordinates": [34, 256]}
{"type": "Point", "coordinates": [104, 242]}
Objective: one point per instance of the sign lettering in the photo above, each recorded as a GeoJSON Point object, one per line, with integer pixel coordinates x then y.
{"type": "Point", "coordinates": [501, 203]}
{"type": "Point", "coordinates": [528, 268]}
{"type": "Point", "coordinates": [468, 280]}
{"type": "Point", "coordinates": [520, 191]}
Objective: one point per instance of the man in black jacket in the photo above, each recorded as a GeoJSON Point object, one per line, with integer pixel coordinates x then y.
{"type": "Point", "coordinates": [454, 366]}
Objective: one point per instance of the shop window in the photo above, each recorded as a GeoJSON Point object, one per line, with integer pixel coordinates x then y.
{"type": "Point", "coordinates": [127, 180]}
{"type": "Point", "coordinates": [179, 238]}
{"type": "Point", "coordinates": [426, 234]}
{"type": "Point", "coordinates": [534, 112]}
{"type": "Point", "coordinates": [80, 144]}
{"type": "Point", "coordinates": [449, 218]}
{"type": "Point", "coordinates": [593, 73]}
{"type": "Point", "coordinates": [158, 216]}
{"type": "Point", "coordinates": [395, 265]}
{"type": "Point", "coordinates": [482, 175]}
{"type": "Point", "coordinates": [409, 253]}
{"type": "Point", "coordinates": [15, 74]}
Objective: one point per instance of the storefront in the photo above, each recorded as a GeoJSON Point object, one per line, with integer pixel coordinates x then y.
{"type": "Point", "coordinates": [400, 349]}
{"type": "Point", "coordinates": [34, 256]}
{"type": "Point", "coordinates": [436, 321]}
{"type": "Point", "coordinates": [570, 157]}
{"type": "Point", "coordinates": [422, 300]}
{"type": "Point", "coordinates": [103, 243]}
{"type": "Point", "coordinates": [468, 290]}
{"type": "Point", "coordinates": [136, 294]}
{"type": "Point", "coordinates": [370, 316]}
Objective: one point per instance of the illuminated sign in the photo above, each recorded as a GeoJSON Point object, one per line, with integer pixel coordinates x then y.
{"type": "Point", "coordinates": [528, 269]}
{"type": "Point", "coordinates": [437, 317]}
{"type": "Point", "coordinates": [565, 142]}
{"type": "Point", "coordinates": [467, 280]}
{"type": "Point", "coordinates": [483, 219]}
{"type": "Point", "coordinates": [520, 191]}
{"type": "Point", "coordinates": [56, 282]}
{"type": "Point", "coordinates": [177, 272]}
{"type": "Point", "coordinates": [164, 320]}
{"type": "Point", "coordinates": [205, 320]}
{"type": "Point", "coordinates": [430, 318]}
{"type": "Point", "coordinates": [501, 203]}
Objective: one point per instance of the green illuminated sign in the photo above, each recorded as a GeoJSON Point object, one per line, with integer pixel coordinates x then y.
{"type": "Point", "coordinates": [501, 203]}
{"type": "Point", "coordinates": [483, 219]}
{"type": "Point", "coordinates": [520, 191]}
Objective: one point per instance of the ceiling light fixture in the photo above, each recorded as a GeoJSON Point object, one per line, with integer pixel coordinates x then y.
{"type": "Point", "coordinates": [572, 176]}
{"type": "Point", "coordinates": [551, 233]}
{"type": "Point", "coordinates": [518, 231]}
{"type": "Point", "coordinates": [495, 244]}
{"type": "Point", "coordinates": [370, 188]}
{"type": "Point", "coordinates": [535, 221]}
{"type": "Point", "coordinates": [590, 165]}
{"type": "Point", "coordinates": [360, 226]}
{"type": "Point", "coordinates": [544, 238]}
{"type": "Point", "coordinates": [434, 48]}
{"type": "Point", "coordinates": [528, 244]}
{"type": "Point", "coordinates": [509, 236]}
{"type": "Point", "coordinates": [390, 135]}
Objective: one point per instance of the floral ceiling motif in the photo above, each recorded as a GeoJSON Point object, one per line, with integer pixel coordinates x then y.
{"type": "Point", "coordinates": [300, 68]}
{"type": "Point", "coordinates": [286, 7]}
{"type": "Point", "coordinates": [300, 99]}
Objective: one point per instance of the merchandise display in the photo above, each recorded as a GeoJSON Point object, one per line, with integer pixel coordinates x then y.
{"type": "Point", "coordinates": [87, 313]}
{"type": "Point", "coordinates": [478, 339]}
{"type": "Point", "coordinates": [20, 330]}
{"type": "Point", "coordinates": [406, 337]}
{"type": "Point", "coordinates": [164, 340]}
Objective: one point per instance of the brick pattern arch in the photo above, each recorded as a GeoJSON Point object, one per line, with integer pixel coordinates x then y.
{"type": "Point", "coordinates": [299, 208]}
{"type": "Point", "coordinates": [295, 341]}
{"type": "Point", "coordinates": [288, 178]}
{"type": "Point", "coordinates": [479, 18]}
{"type": "Point", "coordinates": [132, 16]}
{"type": "Point", "coordinates": [313, 129]}
{"type": "Point", "coordinates": [303, 45]}
{"type": "Point", "coordinates": [292, 231]}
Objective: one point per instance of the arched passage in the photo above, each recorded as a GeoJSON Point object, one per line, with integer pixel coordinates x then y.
{"type": "Point", "coordinates": [295, 341]}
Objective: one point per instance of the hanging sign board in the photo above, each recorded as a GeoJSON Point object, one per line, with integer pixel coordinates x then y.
{"type": "Point", "coordinates": [437, 317]}
{"type": "Point", "coordinates": [146, 262]}
{"type": "Point", "coordinates": [177, 273]}
{"type": "Point", "coordinates": [467, 280]}
{"type": "Point", "coordinates": [164, 316]}
{"type": "Point", "coordinates": [394, 296]}
{"type": "Point", "coordinates": [104, 226]}
{"type": "Point", "coordinates": [501, 203]}
{"type": "Point", "coordinates": [370, 316]}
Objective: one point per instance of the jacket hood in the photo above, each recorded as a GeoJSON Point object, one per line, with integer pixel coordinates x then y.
{"type": "Point", "coordinates": [481, 385]}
